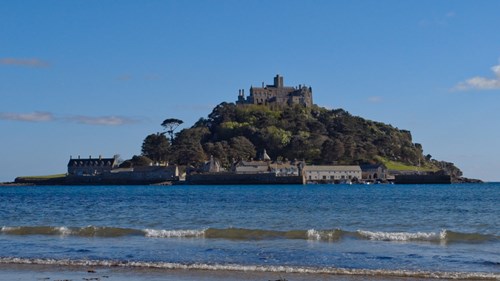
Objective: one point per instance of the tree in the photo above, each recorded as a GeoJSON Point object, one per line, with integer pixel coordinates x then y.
{"type": "Point", "coordinates": [156, 147]}
{"type": "Point", "coordinates": [187, 149]}
{"type": "Point", "coordinates": [170, 125]}
{"type": "Point", "coordinates": [136, 161]}
{"type": "Point", "coordinates": [219, 150]}
{"type": "Point", "coordinates": [241, 148]}
{"type": "Point", "coordinates": [332, 151]}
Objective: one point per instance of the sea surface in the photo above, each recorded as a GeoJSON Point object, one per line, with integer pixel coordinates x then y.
{"type": "Point", "coordinates": [421, 231]}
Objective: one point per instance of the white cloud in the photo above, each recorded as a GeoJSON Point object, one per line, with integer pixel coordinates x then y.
{"type": "Point", "coordinates": [24, 62]}
{"type": "Point", "coordinates": [27, 117]}
{"type": "Point", "coordinates": [152, 77]}
{"type": "Point", "coordinates": [125, 77]}
{"type": "Point", "coordinates": [103, 120]}
{"type": "Point", "coordinates": [481, 83]}
{"type": "Point", "coordinates": [442, 20]}
{"type": "Point", "coordinates": [80, 119]}
{"type": "Point", "coordinates": [375, 99]}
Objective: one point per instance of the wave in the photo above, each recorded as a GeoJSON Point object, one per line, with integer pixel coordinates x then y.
{"type": "Point", "coordinates": [88, 231]}
{"type": "Point", "coordinates": [332, 235]}
{"type": "Point", "coordinates": [256, 268]}
{"type": "Point", "coordinates": [445, 236]}
{"type": "Point", "coordinates": [209, 233]}
{"type": "Point", "coordinates": [155, 233]}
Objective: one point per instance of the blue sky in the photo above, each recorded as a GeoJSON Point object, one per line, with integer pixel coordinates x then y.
{"type": "Point", "coordinates": [96, 77]}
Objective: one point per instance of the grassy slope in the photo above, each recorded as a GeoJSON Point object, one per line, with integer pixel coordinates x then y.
{"type": "Point", "coordinates": [47, 177]}
{"type": "Point", "coordinates": [398, 166]}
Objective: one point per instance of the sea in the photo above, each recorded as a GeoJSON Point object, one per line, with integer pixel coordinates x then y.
{"type": "Point", "coordinates": [278, 232]}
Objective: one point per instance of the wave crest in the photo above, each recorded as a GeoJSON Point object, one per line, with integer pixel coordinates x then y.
{"type": "Point", "coordinates": [399, 236]}
{"type": "Point", "coordinates": [445, 236]}
{"type": "Point", "coordinates": [155, 233]}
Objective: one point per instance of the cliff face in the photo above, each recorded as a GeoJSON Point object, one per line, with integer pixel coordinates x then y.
{"type": "Point", "coordinates": [314, 134]}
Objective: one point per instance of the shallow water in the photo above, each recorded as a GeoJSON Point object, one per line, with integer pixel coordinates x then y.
{"type": "Point", "coordinates": [426, 231]}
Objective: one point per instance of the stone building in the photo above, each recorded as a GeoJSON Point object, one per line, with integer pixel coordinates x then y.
{"type": "Point", "coordinates": [277, 94]}
{"type": "Point", "coordinates": [250, 167]}
{"type": "Point", "coordinates": [374, 172]}
{"type": "Point", "coordinates": [332, 173]}
{"type": "Point", "coordinates": [91, 166]}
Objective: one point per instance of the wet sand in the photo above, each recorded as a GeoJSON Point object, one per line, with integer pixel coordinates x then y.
{"type": "Point", "coordinates": [23, 272]}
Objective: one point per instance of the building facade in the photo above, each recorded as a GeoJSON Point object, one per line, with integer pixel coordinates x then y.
{"type": "Point", "coordinates": [332, 173]}
{"type": "Point", "coordinates": [91, 166]}
{"type": "Point", "coordinates": [277, 94]}
{"type": "Point", "coordinates": [374, 172]}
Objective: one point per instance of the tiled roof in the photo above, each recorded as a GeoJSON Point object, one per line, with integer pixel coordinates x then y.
{"type": "Point", "coordinates": [91, 162]}
{"type": "Point", "coordinates": [332, 168]}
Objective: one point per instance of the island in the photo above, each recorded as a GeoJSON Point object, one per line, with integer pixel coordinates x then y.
{"type": "Point", "coordinates": [275, 135]}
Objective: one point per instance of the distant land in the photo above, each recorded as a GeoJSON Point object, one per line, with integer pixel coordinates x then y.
{"type": "Point", "coordinates": [284, 122]}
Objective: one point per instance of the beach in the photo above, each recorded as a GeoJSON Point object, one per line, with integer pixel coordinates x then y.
{"type": "Point", "coordinates": [19, 272]}
{"type": "Point", "coordinates": [310, 232]}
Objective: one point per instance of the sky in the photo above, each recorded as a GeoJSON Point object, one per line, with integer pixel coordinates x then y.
{"type": "Point", "coordinates": [96, 77]}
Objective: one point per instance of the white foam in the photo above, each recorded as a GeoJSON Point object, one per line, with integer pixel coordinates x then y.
{"type": "Point", "coordinates": [313, 234]}
{"type": "Point", "coordinates": [443, 234]}
{"type": "Point", "coordinates": [161, 233]}
{"type": "Point", "coordinates": [8, 228]}
{"type": "Point", "coordinates": [399, 236]}
{"type": "Point", "coordinates": [63, 230]}
{"type": "Point", "coordinates": [260, 268]}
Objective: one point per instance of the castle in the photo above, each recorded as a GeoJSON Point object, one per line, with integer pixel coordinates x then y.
{"type": "Point", "coordinates": [277, 94]}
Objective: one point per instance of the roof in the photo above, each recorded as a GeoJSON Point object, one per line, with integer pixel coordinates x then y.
{"type": "Point", "coordinates": [333, 168]}
{"type": "Point", "coordinates": [252, 163]}
{"type": "Point", "coordinates": [265, 156]}
{"type": "Point", "coordinates": [91, 162]}
{"type": "Point", "coordinates": [283, 166]}
{"type": "Point", "coordinates": [252, 169]}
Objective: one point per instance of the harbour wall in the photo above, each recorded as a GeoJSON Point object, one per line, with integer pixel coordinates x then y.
{"type": "Point", "coordinates": [241, 179]}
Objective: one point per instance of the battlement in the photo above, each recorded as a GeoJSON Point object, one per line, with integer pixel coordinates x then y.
{"type": "Point", "coordinates": [277, 94]}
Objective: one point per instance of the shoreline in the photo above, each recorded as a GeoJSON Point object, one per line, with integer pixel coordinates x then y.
{"type": "Point", "coordinates": [23, 272]}
{"type": "Point", "coordinates": [27, 272]}
{"type": "Point", "coordinates": [14, 184]}
{"type": "Point", "coordinates": [46, 269]}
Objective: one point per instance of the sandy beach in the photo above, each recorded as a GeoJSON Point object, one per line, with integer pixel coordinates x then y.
{"type": "Point", "coordinates": [21, 272]}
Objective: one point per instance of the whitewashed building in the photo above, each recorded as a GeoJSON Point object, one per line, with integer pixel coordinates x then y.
{"type": "Point", "coordinates": [332, 173]}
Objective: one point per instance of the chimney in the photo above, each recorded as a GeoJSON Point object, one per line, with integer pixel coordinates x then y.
{"type": "Point", "coordinates": [100, 157]}
{"type": "Point", "coordinates": [90, 156]}
{"type": "Point", "coordinates": [78, 156]}
{"type": "Point", "coordinates": [70, 157]}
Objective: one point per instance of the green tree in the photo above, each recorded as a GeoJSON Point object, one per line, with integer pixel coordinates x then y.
{"type": "Point", "coordinates": [219, 150]}
{"type": "Point", "coordinates": [187, 146]}
{"type": "Point", "coordinates": [241, 148]}
{"type": "Point", "coordinates": [136, 161]}
{"type": "Point", "coordinates": [156, 147]}
{"type": "Point", "coordinates": [332, 151]}
{"type": "Point", "coordinates": [170, 125]}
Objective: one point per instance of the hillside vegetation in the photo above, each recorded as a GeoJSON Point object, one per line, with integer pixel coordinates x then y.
{"type": "Point", "coordinates": [314, 134]}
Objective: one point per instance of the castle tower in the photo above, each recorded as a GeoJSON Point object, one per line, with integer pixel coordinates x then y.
{"type": "Point", "coordinates": [278, 81]}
